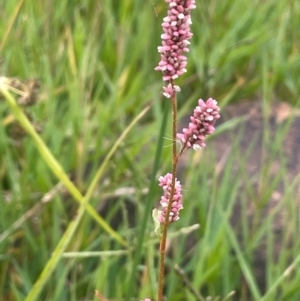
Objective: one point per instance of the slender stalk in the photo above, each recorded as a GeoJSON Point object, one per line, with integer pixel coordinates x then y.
{"type": "Point", "coordinates": [163, 240]}
{"type": "Point", "coordinates": [176, 28]}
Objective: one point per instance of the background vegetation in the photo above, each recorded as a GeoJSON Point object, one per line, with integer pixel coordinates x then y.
{"type": "Point", "coordinates": [95, 61]}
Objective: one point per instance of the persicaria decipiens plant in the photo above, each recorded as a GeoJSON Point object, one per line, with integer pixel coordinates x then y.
{"type": "Point", "coordinates": [173, 63]}
{"type": "Point", "coordinates": [175, 41]}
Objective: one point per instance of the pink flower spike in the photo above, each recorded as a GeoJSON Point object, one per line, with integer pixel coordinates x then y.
{"type": "Point", "coordinates": [176, 33]}
{"type": "Point", "coordinates": [166, 182]}
{"type": "Point", "coordinates": [201, 125]}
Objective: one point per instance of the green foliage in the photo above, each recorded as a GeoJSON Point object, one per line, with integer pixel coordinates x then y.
{"type": "Point", "coordinates": [95, 62]}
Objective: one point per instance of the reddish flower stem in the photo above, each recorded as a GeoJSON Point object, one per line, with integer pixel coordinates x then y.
{"type": "Point", "coordinates": [163, 240]}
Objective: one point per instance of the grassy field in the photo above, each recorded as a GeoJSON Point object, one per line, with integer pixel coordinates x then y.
{"type": "Point", "coordinates": [105, 125]}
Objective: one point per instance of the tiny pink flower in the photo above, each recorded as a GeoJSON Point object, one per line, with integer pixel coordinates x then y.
{"type": "Point", "coordinates": [201, 125]}
{"type": "Point", "coordinates": [176, 28]}
{"type": "Point", "coordinates": [170, 90]}
{"type": "Point", "coordinates": [166, 183]}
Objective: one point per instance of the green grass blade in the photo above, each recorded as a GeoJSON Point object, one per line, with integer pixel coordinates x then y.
{"type": "Point", "coordinates": [280, 279]}
{"type": "Point", "coordinates": [243, 263]}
